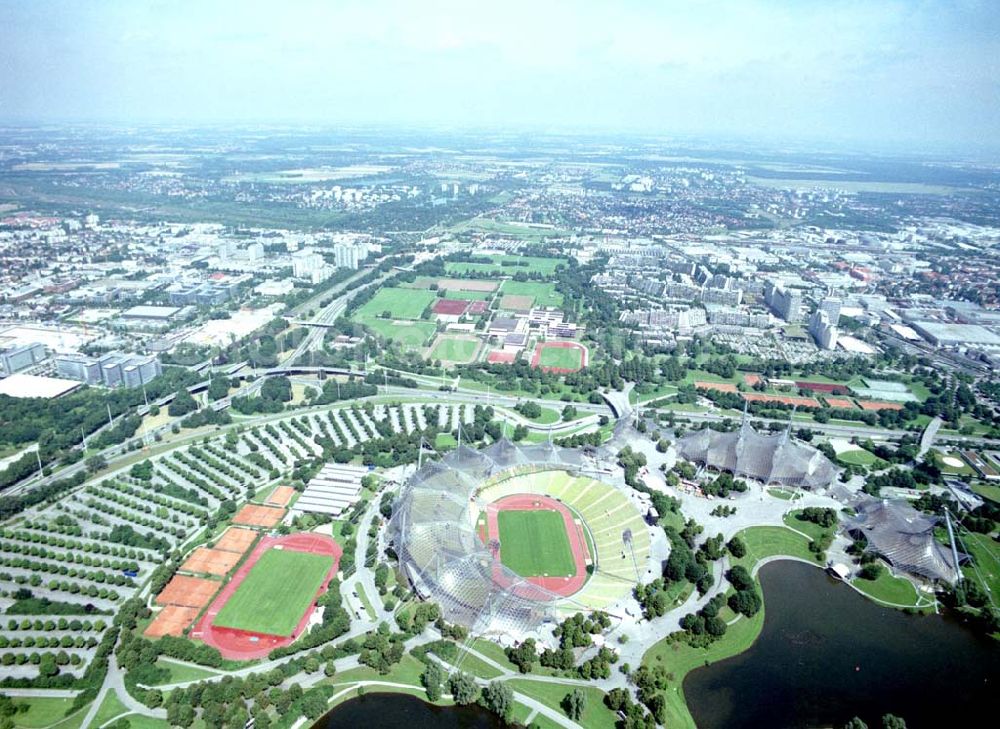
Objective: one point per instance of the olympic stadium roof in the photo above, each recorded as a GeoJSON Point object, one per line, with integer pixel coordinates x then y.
{"type": "Point", "coordinates": [904, 537]}
{"type": "Point", "coordinates": [774, 458]}
{"type": "Point", "coordinates": [434, 532]}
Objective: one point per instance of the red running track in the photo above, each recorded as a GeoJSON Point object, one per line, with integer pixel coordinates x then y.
{"type": "Point", "coordinates": [536, 357]}
{"type": "Point", "coordinates": [242, 645]}
{"type": "Point", "coordinates": [564, 586]}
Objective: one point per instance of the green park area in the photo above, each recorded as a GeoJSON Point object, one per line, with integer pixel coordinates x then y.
{"type": "Point", "coordinates": [455, 349]}
{"type": "Point", "coordinates": [857, 457]}
{"type": "Point", "coordinates": [508, 265]}
{"type": "Point", "coordinates": [276, 594]}
{"type": "Point", "coordinates": [566, 358]}
{"type": "Point", "coordinates": [535, 543]}
{"type": "Point", "coordinates": [46, 712]}
{"type": "Point", "coordinates": [543, 294]}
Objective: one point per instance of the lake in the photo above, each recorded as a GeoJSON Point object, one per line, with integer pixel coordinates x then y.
{"type": "Point", "coordinates": [826, 654]}
{"type": "Point", "coordinates": [402, 711]}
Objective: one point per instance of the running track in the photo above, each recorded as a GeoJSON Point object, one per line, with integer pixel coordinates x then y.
{"type": "Point", "coordinates": [241, 645]}
{"type": "Point", "coordinates": [564, 586]}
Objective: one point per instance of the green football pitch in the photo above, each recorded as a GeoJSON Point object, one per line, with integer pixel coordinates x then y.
{"type": "Point", "coordinates": [566, 358]}
{"type": "Point", "coordinates": [276, 594]}
{"type": "Point", "coordinates": [400, 303]}
{"type": "Point", "coordinates": [453, 349]}
{"type": "Point", "coordinates": [535, 543]}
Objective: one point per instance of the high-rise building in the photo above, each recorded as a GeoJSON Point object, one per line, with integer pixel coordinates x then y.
{"type": "Point", "coordinates": [832, 308]}
{"type": "Point", "coordinates": [21, 357]}
{"type": "Point", "coordinates": [822, 330]}
{"type": "Point", "coordinates": [786, 303]}
{"type": "Point", "coordinates": [111, 369]}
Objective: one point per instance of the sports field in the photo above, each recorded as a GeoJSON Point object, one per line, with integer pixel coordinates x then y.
{"type": "Point", "coordinates": [544, 294]}
{"type": "Point", "coordinates": [455, 349]}
{"type": "Point", "coordinates": [400, 303]}
{"type": "Point", "coordinates": [561, 358]}
{"type": "Point", "coordinates": [535, 543]}
{"type": "Point", "coordinates": [410, 334]}
{"type": "Point", "coordinates": [276, 594]}
{"type": "Point", "coordinates": [508, 264]}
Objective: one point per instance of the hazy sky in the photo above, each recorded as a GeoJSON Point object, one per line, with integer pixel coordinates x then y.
{"type": "Point", "coordinates": [919, 71]}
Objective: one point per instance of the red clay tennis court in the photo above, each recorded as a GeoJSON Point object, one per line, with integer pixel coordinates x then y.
{"type": "Point", "coordinates": [171, 620]}
{"type": "Point", "coordinates": [878, 405]}
{"type": "Point", "coordinates": [259, 516]}
{"type": "Point", "coordinates": [280, 496]}
{"type": "Point", "coordinates": [210, 561]}
{"type": "Point", "coordinates": [499, 357]}
{"type": "Point", "coordinates": [236, 540]}
{"type": "Point", "coordinates": [802, 402]}
{"type": "Point", "coordinates": [717, 386]}
{"type": "Point", "coordinates": [187, 591]}
{"type": "Point", "coordinates": [242, 645]}
{"type": "Point", "coordinates": [840, 402]}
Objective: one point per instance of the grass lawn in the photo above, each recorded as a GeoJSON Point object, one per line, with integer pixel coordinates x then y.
{"type": "Point", "coordinates": [180, 672]}
{"type": "Point", "coordinates": [894, 590]}
{"type": "Point", "coordinates": [455, 349]}
{"type": "Point", "coordinates": [110, 708]}
{"type": "Point", "coordinates": [544, 294]}
{"type": "Point", "coordinates": [566, 358]}
{"type": "Point", "coordinates": [814, 530]}
{"type": "Point", "coordinates": [765, 541]}
{"type": "Point", "coordinates": [508, 264]}
{"type": "Point", "coordinates": [140, 721]}
{"type": "Point", "coordinates": [781, 494]}
{"type": "Point", "coordinates": [960, 470]}
{"type": "Point", "coordinates": [43, 711]}
{"type": "Point", "coordinates": [986, 555]}
{"type": "Point", "coordinates": [410, 334]}
{"type": "Point", "coordinates": [987, 491]}
{"type": "Point", "coordinates": [363, 596]}
{"type": "Point", "coordinates": [400, 303]}
{"type": "Point", "coordinates": [534, 543]}
{"type": "Point", "coordinates": [445, 440]}
{"type": "Point", "coordinates": [547, 417]}
{"type": "Point", "coordinates": [595, 714]}
{"type": "Point", "coordinates": [468, 295]}
{"type": "Point", "coordinates": [275, 595]}
{"type": "Point", "coordinates": [859, 457]}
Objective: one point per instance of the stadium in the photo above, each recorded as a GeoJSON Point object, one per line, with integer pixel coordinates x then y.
{"type": "Point", "coordinates": [510, 537]}
{"type": "Point", "coordinates": [771, 459]}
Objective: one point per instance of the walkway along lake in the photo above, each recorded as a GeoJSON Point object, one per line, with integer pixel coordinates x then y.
{"type": "Point", "coordinates": [826, 654]}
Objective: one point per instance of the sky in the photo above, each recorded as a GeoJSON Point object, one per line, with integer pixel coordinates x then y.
{"type": "Point", "coordinates": [894, 72]}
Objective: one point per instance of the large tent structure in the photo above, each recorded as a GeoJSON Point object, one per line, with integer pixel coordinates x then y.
{"type": "Point", "coordinates": [433, 531]}
{"type": "Point", "coordinates": [773, 458]}
{"type": "Point", "coordinates": [903, 537]}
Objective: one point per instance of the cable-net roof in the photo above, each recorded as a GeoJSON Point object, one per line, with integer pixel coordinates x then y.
{"type": "Point", "coordinates": [434, 532]}
{"type": "Point", "coordinates": [771, 458]}
{"type": "Point", "coordinates": [904, 537]}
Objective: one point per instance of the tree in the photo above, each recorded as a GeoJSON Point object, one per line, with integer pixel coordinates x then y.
{"type": "Point", "coordinates": [737, 547]}
{"type": "Point", "coordinates": [463, 689]}
{"type": "Point", "coordinates": [498, 697]}
{"type": "Point", "coordinates": [569, 412]}
{"type": "Point", "coordinates": [182, 404]}
{"type": "Point", "coordinates": [431, 679]}
{"type": "Point", "coordinates": [523, 655]}
{"type": "Point", "coordinates": [855, 723]}
{"type": "Point", "coordinates": [574, 704]}
{"type": "Point", "coordinates": [890, 721]}
{"type": "Point", "coordinates": [95, 464]}
{"type": "Point", "coordinates": [746, 602]}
